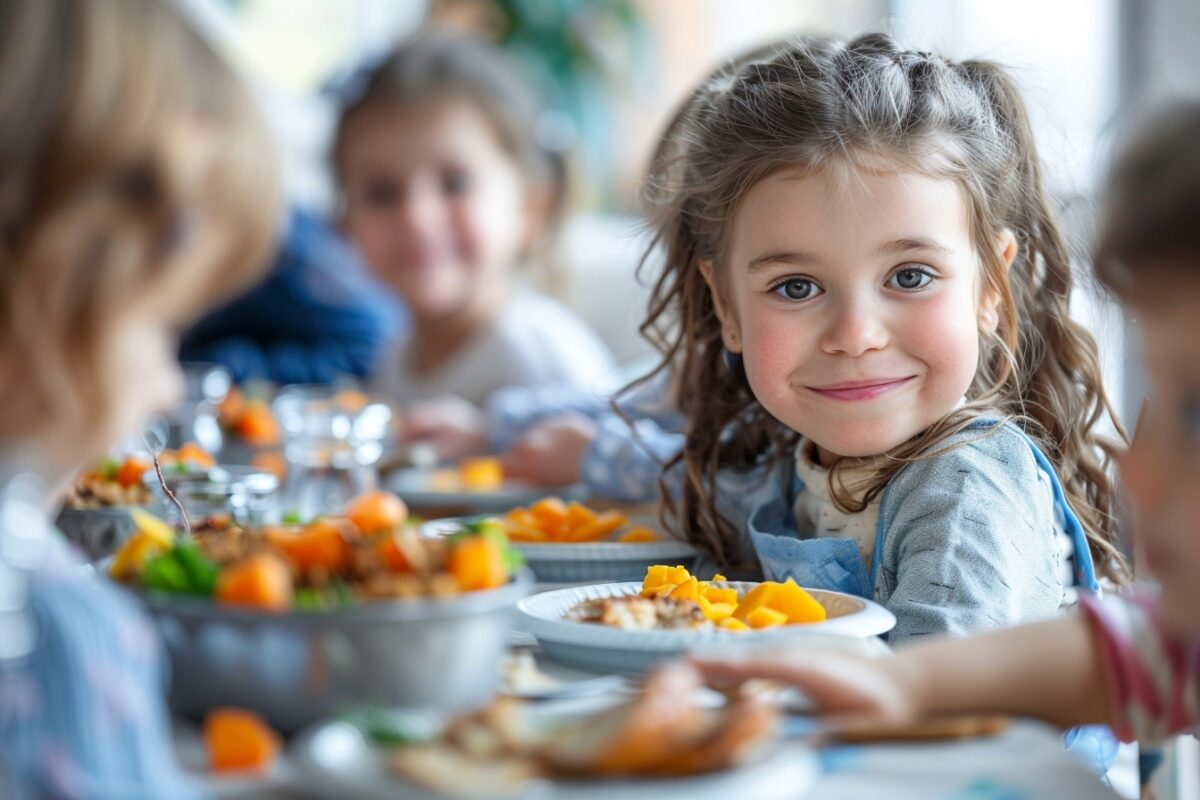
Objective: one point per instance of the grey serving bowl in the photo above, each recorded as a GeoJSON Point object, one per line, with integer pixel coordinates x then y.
{"type": "Point", "coordinates": [98, 532]}
{"type": "Point", "coordinates": [434, 654]}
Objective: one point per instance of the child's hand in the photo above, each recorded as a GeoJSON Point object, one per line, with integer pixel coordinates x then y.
{"type": "Point", "coordinates": [449, 424]}
{"type": "Point", "coordinates": [847, 690]}
{"type": "Point", "coordinates": [551, 452]}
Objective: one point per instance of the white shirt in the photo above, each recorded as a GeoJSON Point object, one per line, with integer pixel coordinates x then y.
{"type": "Point", "coordinates": [532, 341]}
{"type": "Point", "coordinates": [815, 510]}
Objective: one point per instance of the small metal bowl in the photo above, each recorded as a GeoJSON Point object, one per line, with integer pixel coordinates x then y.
{"type": "Point", "coordinates": [98, 532]}
{"type": "Point", "coordinates": [436, 654]}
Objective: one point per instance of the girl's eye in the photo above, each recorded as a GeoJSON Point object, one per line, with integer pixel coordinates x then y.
{"type": "Point", "coordinates": [910, 278]}
{"type": "Point", "coordinates": [1191, 415]}
{"type": "Point", "coordinates": [455, 182]}
{"type": "Point", "coordinates": [381, 193]}
{"type": "Point", "coordinates": [797, 289]}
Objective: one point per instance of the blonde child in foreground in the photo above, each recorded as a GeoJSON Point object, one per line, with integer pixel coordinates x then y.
{"type": "Point", "coordinates": [139, 189]}
{"type": "Point", "coordinates": [1128, 660]}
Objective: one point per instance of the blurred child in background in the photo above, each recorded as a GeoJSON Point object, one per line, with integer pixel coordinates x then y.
{"type": "Point", "coordinates": [448, 191]}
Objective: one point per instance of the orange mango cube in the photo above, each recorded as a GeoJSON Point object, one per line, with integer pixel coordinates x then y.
{"type": "Point", "coordinates": [764, 617]}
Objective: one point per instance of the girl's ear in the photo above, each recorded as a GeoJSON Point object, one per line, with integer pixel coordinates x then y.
{"type": "Point", "coordinates": [989, 302]}
{"type": "Point", "coordinates": [729, 327]}
{"type": "Point", "coordinates": [540, 199]}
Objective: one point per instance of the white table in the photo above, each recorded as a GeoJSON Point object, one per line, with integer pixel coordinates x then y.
{"type": "Point", "coordinates": [1026, 762]}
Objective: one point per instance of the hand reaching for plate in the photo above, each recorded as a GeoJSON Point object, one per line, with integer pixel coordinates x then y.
{"type": "Point", "coordinates": [848, 690]}
{"type": "Point", "coordinates": [453, 427]}
{"type": "Point", "coordinates": [551, 452]}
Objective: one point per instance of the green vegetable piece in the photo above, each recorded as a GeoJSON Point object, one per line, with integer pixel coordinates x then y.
{"type": "Point", "coordinates": [201, 572]}
{"type": "Point", "coordinates": [341, 594]}
{"type": "Point", "coordinates": [108, 469]}
{"type": "Point", "coordinates": [165, 574]}
{"type": "Point", "coordinates": [306, 598]}
{"type": "Point", "coordinates": [390, 729]}
{"type": "Point", "coordinates": [292, 518]}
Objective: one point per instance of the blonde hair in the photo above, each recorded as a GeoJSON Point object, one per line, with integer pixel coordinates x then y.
{"type": "Point", "coordinates": [96, 196]}
{"type": "Point", "coordinates": [814, 104]}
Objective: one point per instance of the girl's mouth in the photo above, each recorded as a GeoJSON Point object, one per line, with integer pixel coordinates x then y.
{"type": "Point", "coordinates": [867, 389]}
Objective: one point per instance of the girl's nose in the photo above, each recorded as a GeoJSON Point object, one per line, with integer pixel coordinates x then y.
{"type": "Point", "coordinates": [854, 329]}
{"type": "Point", "coordinates": [417, 210]}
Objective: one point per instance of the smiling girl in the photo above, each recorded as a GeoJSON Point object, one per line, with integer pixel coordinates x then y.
{"type": "Point", "coordinates": [447, 190]}
{"type": "Point", "coordinates": [1130, 660]}
{"type": "Point", "coordinates": [862, 271]}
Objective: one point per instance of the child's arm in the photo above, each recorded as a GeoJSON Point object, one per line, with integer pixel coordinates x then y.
{"type": "Point", "coordinates": [615, 460]}
{"type": "Point", "coordinates": [1049, 670]}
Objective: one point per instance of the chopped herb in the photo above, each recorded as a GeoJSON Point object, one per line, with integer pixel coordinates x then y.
{"type": "Point", "coordinates": [391, 729]}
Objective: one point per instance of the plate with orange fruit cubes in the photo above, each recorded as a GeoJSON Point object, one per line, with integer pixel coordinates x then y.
{"type": "Point", "coordinates": [628, 627]}
{"type": "Point", "coordinates": [475, 485]}
{"type": "Point", "coordinates": [565, 541]}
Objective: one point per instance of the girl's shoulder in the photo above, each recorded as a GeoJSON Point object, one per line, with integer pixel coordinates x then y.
{"type": "Point", "coordinates": [986, 461]}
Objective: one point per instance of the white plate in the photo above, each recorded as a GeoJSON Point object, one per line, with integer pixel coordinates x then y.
{"type": "Point", "coordinates": [600, 648]}
{"type": "Point", "coordinates": [338, 760]}
{"type": "Point", "coordinates": [413, 486]}
{"type": "Point", "coordinates": [587, 561]}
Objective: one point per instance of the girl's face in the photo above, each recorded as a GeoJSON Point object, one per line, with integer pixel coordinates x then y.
{"type": "Point", "coordinates": [136, 353]}
{"type": "Point", "coordinates": [856, 304]}
{"type": "Point", "coordinates": [1162, 470]}
{"type": "Point", "coordinates": [437, 207]}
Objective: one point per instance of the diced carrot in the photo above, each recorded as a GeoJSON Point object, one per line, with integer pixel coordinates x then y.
{"type": "Point", "coordinates": [257, 425]}
{"type": "Point", "coordinates": [194, 454]}
{"type": "Point", "coordinates": [517, 532]}
{"type": "Point", "coordinates": [231, 407]}
{"type": "Point", "coordinates": [481, 474]}
{"type": "Point", "coordinates": [477, 563]}
{"type": "Point", "coordinates": [551, 513]}
{"type": "Point", "coordinates": [375, 512]}
{"type": "Point", "coordinates": [638, 534]}
{"type": "Point", "coordinates": [522, 516]}
{"type": "Point", "coordinates": [579, 515]}
{"type": "Point", "coordinates": [603, 525]}
{"type": "Point", "coordinates": [391, 554]}
{"type": "Point", "coordinates": [261, 581]}
{"type": "Point", "coordinates": [131, 471]}
{"type": "Point", "coordinates": [239, 740]}
{"type": "Point", "coordinates": [271, 461]}
{"type": "Point", "coordinates": [351, 400]}
{"type": "Point", "coordinates": [322, 543]}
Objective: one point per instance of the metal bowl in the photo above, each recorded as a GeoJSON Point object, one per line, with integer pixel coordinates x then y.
{"type": "Point", "coordinates": [294, 668]}
{"type": "Point", "coordinates": [98, 532]}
